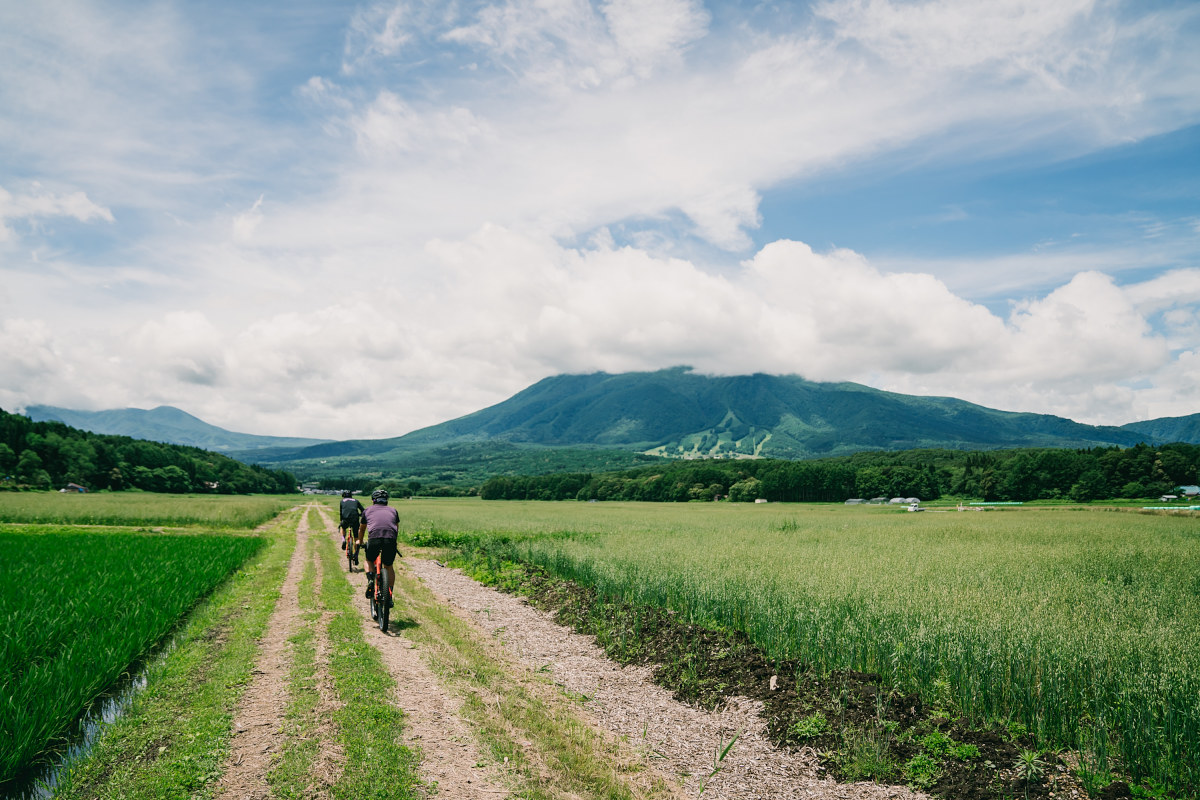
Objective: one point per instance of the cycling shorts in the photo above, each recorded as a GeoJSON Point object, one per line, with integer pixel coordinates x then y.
{"type": "Point", "coordinates": [385, 548]}
{"type": "Point", "coordinates": [351, 524]}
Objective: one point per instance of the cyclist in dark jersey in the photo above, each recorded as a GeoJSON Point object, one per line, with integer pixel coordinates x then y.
{"type": "Point", "coordinates": [383, 526]}
{"type": "Point", "coordinates": [352, 518]}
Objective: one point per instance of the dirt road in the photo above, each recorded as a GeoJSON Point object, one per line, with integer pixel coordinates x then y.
{"type": "Point", "coordinates": [481, 676]}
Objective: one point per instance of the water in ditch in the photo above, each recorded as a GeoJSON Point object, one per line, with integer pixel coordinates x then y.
{"type": "Point", "coordinates": [43, 778]}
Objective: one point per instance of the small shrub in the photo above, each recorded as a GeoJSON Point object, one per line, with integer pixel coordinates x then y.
{"type": "Point", "coordinates": [809, 727]}
{"type": "Point", "coordinates": [921, 771]}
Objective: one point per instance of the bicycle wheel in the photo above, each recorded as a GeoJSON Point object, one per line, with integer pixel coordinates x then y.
{"type": "Point", "coordinates": [350, 550]}
{"type": "Point", "coordinates": [382, 582]}
{"type": "Point", "coordinates": [371, 600]}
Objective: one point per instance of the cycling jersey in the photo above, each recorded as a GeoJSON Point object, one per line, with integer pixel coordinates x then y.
{"type": "Point", "coordinates": [383, 522]}
{"type": "Point", "coordinates": [350, 510]}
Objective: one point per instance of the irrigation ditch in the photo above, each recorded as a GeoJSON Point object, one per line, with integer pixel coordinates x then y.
{"type": "Point", "coordinates": [39, 780]}
{"type": "Point", "coordinates": [858, 727]}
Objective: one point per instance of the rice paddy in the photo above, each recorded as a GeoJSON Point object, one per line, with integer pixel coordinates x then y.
{"type": "Point", "coordinates": [78, 607]}
{"type": "Point", "coordinates": [1081, 626]}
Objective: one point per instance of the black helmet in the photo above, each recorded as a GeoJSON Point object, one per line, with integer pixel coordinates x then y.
{"type": "Point", "coordinates": [345, 493]}
{"type": "Point", "coordinates": [379, 496]}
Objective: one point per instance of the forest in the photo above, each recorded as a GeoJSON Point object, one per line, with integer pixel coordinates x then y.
{"type": "Point", "coordinates": [1022, 475]}
{"type": "Point", "coordinates": [50, 455]}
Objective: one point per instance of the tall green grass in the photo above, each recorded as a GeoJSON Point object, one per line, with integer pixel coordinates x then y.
{"type": "Point", "coordinates": [142, 508]}
{"type": "Point", "coordinates": [78, 607]}
{"type": "Point", "coordinates": [1083, 626]}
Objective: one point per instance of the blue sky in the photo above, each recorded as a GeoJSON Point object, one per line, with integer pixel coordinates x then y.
{"type": "Point", "coordinates": [356, 219]}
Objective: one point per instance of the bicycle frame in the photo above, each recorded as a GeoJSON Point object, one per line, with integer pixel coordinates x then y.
{"type": "Point", "coordinates": [352, 548]}
{"type": "Point", "coordinates": [379, 599]}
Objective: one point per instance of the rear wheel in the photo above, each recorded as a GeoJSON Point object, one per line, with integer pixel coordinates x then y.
{"type": "Point", "coordinates": [351, 549]}
{"type": "Point", "coordinates": [383, 594]}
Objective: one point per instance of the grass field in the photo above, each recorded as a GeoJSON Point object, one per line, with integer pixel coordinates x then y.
{"type": "Point", "coordinates": [1080, 625]}
{"type": "Point", "coordinates": [79, 606]}
{"type": "Point", "coordinates": [142, 508]}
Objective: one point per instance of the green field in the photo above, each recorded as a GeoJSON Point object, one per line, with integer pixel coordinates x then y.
{"type": "Point", "coordinates": [1081, 625]}
{"type": "Point", "coordinates": [78, 606]}
{"type": "Point", "coordinates": [141, 508]}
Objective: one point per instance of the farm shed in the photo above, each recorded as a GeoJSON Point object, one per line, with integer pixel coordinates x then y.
{"type": "Point", "coordinates": [854, 501]}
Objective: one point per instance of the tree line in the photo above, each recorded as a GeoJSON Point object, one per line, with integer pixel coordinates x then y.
{"type": "Point", "coordinates": [50, 455]}
{"type": "Point", "coordinates": [1002, 475]}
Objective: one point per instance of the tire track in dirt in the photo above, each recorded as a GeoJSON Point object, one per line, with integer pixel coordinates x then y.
{"type": "Point", "coordinates": [682, 740]}
{"type": "Point", "coordinates": [258, 722]}
{"type": "Point", "coordinates": [330, 760]}
{"type": "Point", "coordinates": [432, 724]}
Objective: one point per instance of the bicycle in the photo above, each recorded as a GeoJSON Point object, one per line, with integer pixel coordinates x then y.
{"type": "Point", "coordinates": [352, 548]}
{"type": "Point", "coordinates": [382, 594]}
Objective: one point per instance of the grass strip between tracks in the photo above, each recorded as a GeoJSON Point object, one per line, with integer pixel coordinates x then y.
{"type": "Point", "coordinates": [548, 751]}
{"type": "Point", "coordinates": [175, 738]}
{"type": "Point", "coordinates": [369, 726]}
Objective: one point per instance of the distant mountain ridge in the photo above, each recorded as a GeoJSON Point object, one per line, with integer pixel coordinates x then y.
{"type": "Point", "coordinates": [681, 414]}
{"type": "Point", "coordinates": [675, 413]}
{"type": "Point", "coordinates": [164, 424]}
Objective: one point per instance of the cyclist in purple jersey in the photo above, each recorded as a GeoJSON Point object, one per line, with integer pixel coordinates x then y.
{"type": "Point", "coordinates": [383, 525]}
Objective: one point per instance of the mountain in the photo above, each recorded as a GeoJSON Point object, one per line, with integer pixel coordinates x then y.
{"type": "Point", "coordinates": [678, 413]}
{"type": "Point", "coordinates": [601, 421]}
{"type": "Point", "coordinates": [1168, 429]}
{"type": "Point", "coordinates": [164, 424]}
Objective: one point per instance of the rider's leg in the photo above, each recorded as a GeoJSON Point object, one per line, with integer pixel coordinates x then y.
{"type": "Point", "coordinates": [371, 553]}
{"type": "Point", "coordinates": [389, 555]}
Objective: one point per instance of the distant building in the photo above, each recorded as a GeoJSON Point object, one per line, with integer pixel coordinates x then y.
{"type": "Point", "coordinates": [855, 501]}
{"type": "Point", "coordinates": [74, 487]}
{"type": "Point", "coordinates": [1189, 491]}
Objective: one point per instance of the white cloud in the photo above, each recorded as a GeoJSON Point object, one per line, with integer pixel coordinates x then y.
{"type": "Point", "coordinates": [39, 203]}
{"type": "Point", "coordinates": [509, 308]}
{"type": "Point", "coordinates": [184, 346]}
{"type": "Point", "coordinates": [247, 222]}
{"type": "Point", "coordinates": [648, 32]}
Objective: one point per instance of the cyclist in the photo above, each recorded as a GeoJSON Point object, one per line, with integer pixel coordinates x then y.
{"type": "Point", "coordinates": [352, 514]}
{"type": "Point", "coordinates": [383, 525]}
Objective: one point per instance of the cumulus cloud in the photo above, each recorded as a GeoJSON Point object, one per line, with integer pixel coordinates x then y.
{"type": "Point", "coordinates": [513, 307]}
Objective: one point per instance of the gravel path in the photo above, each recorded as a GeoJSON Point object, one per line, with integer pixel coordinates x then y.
{"type": "Point", "coordinates": [681, 740]}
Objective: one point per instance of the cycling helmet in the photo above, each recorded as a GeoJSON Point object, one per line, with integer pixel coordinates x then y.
{"type": "Point", "coordinates": [346, 493]}
{"type": "Point", "coordinates": [379, 496]}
